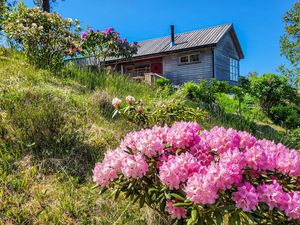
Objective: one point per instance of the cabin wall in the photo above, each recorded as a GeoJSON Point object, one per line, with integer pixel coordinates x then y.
{"type": "Point", "coordinates": [222, 54]}
{"type": "Point", "coordinates": [178, 74]}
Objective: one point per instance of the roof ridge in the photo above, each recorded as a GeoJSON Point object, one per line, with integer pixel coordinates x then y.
{"type": "Point", "coordinates": [186, 32]}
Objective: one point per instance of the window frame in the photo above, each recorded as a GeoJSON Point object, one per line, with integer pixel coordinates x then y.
{"type": "Point", "coordinates": [234, 69]}
{"type": "Point", "coordinates": [189, 59]}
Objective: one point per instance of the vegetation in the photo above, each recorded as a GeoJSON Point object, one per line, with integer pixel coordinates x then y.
{"type": "Point", "coordinates": [46, 39]}
{"type": "Point", "coordinates": [56, 123]}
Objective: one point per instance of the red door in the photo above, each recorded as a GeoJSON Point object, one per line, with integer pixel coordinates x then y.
{"type": "Point", "coordinates": [157, 68]}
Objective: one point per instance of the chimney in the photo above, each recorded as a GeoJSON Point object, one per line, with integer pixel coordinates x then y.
{"type": "Point", "coordinates": [172, 43]}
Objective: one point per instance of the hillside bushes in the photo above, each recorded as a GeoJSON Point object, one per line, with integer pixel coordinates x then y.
{"type": "Point", "coordinates": [45, 38]}
{"type": "Point", "coordinates": [199, 176]}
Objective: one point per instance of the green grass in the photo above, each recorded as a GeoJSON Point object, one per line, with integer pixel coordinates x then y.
{"type": "Point", "coordinates": [53, 129]}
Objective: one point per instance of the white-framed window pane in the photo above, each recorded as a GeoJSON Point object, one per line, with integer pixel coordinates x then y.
{"type": "Point", "coordinates": [184, 59]}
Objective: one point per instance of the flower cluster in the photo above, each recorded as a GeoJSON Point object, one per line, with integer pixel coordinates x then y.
{"type": "Point", "coordinates": [204, 166]}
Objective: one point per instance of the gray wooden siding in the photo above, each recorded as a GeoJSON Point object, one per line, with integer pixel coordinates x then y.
{"type": "Point", "coordinates": [223, 52]}
{"type": "Point", "coordinates": [179, 74]}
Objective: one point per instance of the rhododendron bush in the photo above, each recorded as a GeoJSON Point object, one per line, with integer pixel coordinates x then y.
{"type": "Point", "coordinates": [205, 177]}
{"type": "Point", "coordinates": [101, 45]}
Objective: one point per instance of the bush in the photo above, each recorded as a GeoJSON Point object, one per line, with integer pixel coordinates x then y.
{"type": "Point", "coordinates": [272, 90]}
{"type": "Point", "coordinates": [286, 115]}
{"type": "Point", "coordinates": [294, 138]}
{"type": "Point", "coordinates": [205, 91]}
{"type": "Point", "coordinates": [159, 113]}
{"type": "Point", "coordinates": [202, 177]}
{"type": "Point", "coordinates": [162, 82]}
{"type": "Point", "coordinates": [45, 38]}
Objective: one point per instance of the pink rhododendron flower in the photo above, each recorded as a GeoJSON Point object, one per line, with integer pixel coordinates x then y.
{"type": "Point", "coordinates": [175, 212]}
{"type": "Point", "coordinates": [201, 189]}
{"type": "Point", "coordinates": [116, 102]}
{"type": "Point", "coordinates": [134, 166]}
{"type": "Point", "coordinates": [110, 167]}
{"type": "Point", "coordinates": [246, 140]}
{"type": "Point", "coordinates": [221, 140]}
{"type": "Point", "coordinates": [84, 35]}
{"type": "Point", "coordinates": [246, 198]}
{"type": "Point", "coordinates": [257, 158]}
{"type": "Point", "coordinates": [178, 169]}
{"type": "Point", "coordinates": [183, 135]}
{"type": "Point", "coordinates": [272, 195]}
{"type": "Point", "coordinates": [129, 100]}
{"type": "Point", "coordinates": [293, 206]}
{"type": "Point", "coordinates": [108, 31]}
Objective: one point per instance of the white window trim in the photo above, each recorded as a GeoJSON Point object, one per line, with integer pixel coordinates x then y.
{"type": "Point", "coordinates": [189, 59]}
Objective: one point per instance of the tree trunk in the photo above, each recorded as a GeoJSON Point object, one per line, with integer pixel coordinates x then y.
{"type": "Point", "coordinates": [46, 5]}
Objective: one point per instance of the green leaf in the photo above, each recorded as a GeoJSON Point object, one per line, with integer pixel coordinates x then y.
{"type": "Point", "coordinates": [117, 194]}
{"type": "Point", "coordinates": [177, 196]}
{"type": "Point", "coordinates": [116, 112]}
{"type": "Point", "coordinates": [194, 214]}
{"type": "Point", "coordinates": [182, 204]}
{"type": "Point", "coordinates": [142, 201]}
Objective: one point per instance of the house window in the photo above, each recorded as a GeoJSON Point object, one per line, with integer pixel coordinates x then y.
{"type": "Point", "coordinates": [184, 59]}
{"type": "Point", "coordinates": [234, 69]}
{"type": "Point", "coordinates": [193, 58]}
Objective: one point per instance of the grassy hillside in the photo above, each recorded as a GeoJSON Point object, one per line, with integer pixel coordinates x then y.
{"type": "Point", "coordinates": [52, 131]}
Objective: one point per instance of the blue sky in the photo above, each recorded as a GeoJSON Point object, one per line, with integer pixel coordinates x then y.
{"type": "Point", "coordinates": [258, 23]}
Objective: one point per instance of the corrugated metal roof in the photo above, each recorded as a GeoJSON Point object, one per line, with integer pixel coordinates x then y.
{"type": "Point", "coordinates": [193, 39]}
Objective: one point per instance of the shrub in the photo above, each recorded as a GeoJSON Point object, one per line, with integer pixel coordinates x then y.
{"type": "Point", "coordinates": [45, 38]}
{"type": "Point", "coordinates": [162, 82]}
{"type": "Point", "coordinates": [286, 115]}
{"type": "Point", "coordinates": [205, 91]}
{"type": "Point", "coordinates": [101, 45]}
{"type": "Point", "coordinates": [271, 90]}
{"type": "Point", "coordinates": [294, 138]}
{"type": "Point", "coordinates": [201, 177]}
{"type": "Point", "coordinates": [159, 113]}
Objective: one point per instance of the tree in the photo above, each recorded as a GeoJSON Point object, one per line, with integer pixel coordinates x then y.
{"type": "Point", "coordinates": [290, 43]}
{"type": "Point", "coordinates": [44, 4]}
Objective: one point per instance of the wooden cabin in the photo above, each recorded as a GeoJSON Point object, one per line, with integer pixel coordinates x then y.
{"type": "Point", "coordinates": [211, 53]}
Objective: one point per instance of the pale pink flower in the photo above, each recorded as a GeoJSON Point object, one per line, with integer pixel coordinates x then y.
{"type": "Point", "coordinates": [246, 198]}
{"type": "Point", "coordinates": [134, 166]}
{"type": "Point", "coordinates": [175, 212]}
{"type": "Point", "coordinates": [130, 100]}
{"type": "Point", "coordinates": [116, 102]}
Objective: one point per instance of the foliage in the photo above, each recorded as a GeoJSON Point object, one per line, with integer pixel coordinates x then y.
{"type": "Point", "coordinates": [45, 38]}
{"type": "Point", "coordinates": [286, 115]}
{"type": "Point", "coordinates": [203, 176]}
{"type": "Point", "coordinates": [160, 113]}
{"type": "Point", "coordinates": [162, 82]}
{"type": "Point", "coordinates": [272, 90]}
{"type": "Point", "coordinates": [205, 91]}
{"type": "Point", "coordinates": [100, 46]}
{"type": "Point", "coordinates": [290, 43]}
{"type": "Point", "coordinates": [294, 137]}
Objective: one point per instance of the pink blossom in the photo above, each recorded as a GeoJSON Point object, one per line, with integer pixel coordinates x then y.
{"type": "Point", "coordinates": [183, 135]}
{"type": "Point", "coordinates": [272, 195]}
{"type": "Point", "coordinates": [177, 169]}
{"type": "Point", "coordinates": [109, 169]}
{"type": "Point", "coordinates": [257, 158]}
{"type": "Point", "coordinates": [108, 31]}
{"type": "Point", "coordinates": [220, 139]}
{"type": "Point", "coordinates": [90, 30]}
{"type": "Point", "coordinates": [246, 198]}
{"type": "Point", "coordinates": [200, 188]}
{"type": "Point", "coordinates": [293, 206]}
{"type": "Point", "coordinates": [84, 35]}
{"type": "Point", "coordinates": [246, 139]}
{"type": "Point", "coordinates": [130, 100]}
{"type": "Point", "coordinates": [116, 102]}
{"type": "Point", "coordinates": [175, 212]}
{"type": "Point", "coordinates": [134, 166]}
